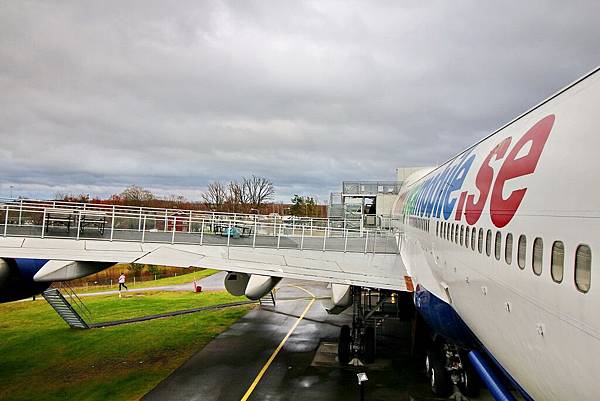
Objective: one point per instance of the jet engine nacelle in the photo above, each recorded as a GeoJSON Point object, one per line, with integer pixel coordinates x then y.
{"type": "Point", "coordinates": [16, 279]}
{"type": "Point", "coordinates": [253, 286]}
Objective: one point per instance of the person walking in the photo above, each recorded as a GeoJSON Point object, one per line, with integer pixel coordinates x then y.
{"type": "Point", "coordinates": [122, 282]}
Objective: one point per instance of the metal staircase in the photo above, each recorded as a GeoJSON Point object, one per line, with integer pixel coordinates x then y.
{"type": "Point", "coordinates": [268, 300]}
{"type": "Point", "coordinates": [65, 309]}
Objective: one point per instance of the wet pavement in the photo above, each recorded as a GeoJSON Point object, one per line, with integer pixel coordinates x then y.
{"type": "Point", "coordinates": [305, 368]}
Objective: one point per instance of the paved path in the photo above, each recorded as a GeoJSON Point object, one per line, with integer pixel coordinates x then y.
{"type": "Point", "coordinates": [214, 282]}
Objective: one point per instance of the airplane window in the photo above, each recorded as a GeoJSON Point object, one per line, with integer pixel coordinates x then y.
{"type": "Point", "coordinates": [480, 242]}
{"type": "Point", "coordinates": [583, 268]}
{"type": "Point", "coordinates": [508, 249]}
{"type": "Point", "coordinates": [447, 230]}
{"type": "Point", "coordinates": [473, 232]}
{"type": "Point", "coordinates": [498, 247]}
{"type": "Point", "coordinates": [456, 234]}
{"type": "Point", "coordinates": [437, 228]}
{"type": "Point", "coordinates": [521, 251]}
{"type": "Point", "coordinates": [452, 233]}
{"type": "Point", "coordinates": [462, 234]}
{"type": "Point", "coordinates": [467, 237]}
{"type": "Point", "coordinates": [557, 267]}
{"type": "Point", "coordinates": [488, 243]}
{"type": "Point", "coordinates": [537, 256]}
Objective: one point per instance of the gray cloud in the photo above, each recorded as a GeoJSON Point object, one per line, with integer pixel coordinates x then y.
{"type": "Point", "coordinates": [96, 96]}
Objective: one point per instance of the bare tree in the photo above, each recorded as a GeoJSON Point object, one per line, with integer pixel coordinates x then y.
{"type": "Point", "coordinates": [136, 196]}
{"type": "Point", "coordinates": [236, 196]}
{"type": "Point", "coordinates": [215, 194]}
{"type": "Point", "coordinates": [257, 190]}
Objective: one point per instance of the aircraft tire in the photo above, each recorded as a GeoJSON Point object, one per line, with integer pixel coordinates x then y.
{"type": "Point", "coordinates": [471, 383]}
{"type": "Point", "coordinates": [439, 379]}
{"type": "Point", "coordinates": [344, 345]}
{"type": "Point", "coordinates": [369, 345]}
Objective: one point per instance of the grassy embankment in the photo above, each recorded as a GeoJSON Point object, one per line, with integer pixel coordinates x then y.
{"type": "Point", "coordinates": [41, 358]}
{"type": "Point", "coordinates": [179, 279]}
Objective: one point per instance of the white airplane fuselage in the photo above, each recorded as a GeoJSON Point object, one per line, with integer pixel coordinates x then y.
{"type": "Point", "coordinates": [536, 177]}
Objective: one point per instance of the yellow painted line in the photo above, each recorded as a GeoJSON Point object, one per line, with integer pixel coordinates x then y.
{"type": "Point", "coordinates": [305, 290]}
{"type": "Point", "coordinates": [279, 347]}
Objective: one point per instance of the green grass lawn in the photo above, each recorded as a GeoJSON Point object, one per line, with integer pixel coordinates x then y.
{"type": "Point", "coordinates": [41, 358]}
{"type": "Point", "coordinates": [179, 279]}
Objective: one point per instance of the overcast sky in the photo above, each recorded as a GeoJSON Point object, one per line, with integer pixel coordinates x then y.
{"type": "Point", "coordinates": [95, 96]}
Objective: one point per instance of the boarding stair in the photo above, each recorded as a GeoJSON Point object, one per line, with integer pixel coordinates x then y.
{"type": "Point", "coordinates": [66, 309]}
{"type": "Point", "coordinates": [268, 300]}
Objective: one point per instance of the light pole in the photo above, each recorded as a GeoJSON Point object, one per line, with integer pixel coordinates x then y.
{"type": "Point", "coordinates": [11, 191]}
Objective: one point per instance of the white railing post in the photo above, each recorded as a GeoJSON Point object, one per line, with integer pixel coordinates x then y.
{"type": "Point", "coordinates": [375, 242]}
{"type": "Point", "coordinates": [78, 224]}
{"type": "Point", "coordinates": [345, 240]}
{"type": "Point", "coordinates": [279, 236]}
{"type": "Point", "coordinates": [325, 237]}
{"type": "Point", "coordinates": [190, 223]}
{"type": "Point", "coordinates": [144, 229]}
{"type": "Point", "coordinates": [6, 223]}
{"type": "Point", "coordinates": [20, 211]}
{"type": "Point", "coordinates": [366, 240]}
{"type": "Point", "coordinates": [311, 227]}
{"type": "Point", "coordinates": [43, 222]}
{"type": "Point", "coordinates": [166, 219]}
{"type": "Point", "coordinates": [202, 232]}
{"type": "Point", "coordinates": [174, 228]}
{"type": "Point", "coordinates": [140, 220]}
{"type": "Point", "coordinates": [302, 240]}
{"type": "Point", "coordinates": [362, 225]}
{"type": "Point", "coordinates": [112, 224]}
{"type": "Point", "coordinates": [228, 237]}
{"type": "Point", "coordinates": [254, 235]}
{"type": "Point", "coordinates": [293, 226]}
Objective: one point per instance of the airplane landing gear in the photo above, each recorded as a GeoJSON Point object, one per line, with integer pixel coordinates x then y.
{"type": "Point", "coordinates": [360, 340]}
{"type": "Point", "coordinates": [449, 368]}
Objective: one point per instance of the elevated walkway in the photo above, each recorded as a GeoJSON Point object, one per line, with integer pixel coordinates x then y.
{"type": "Point", "coordinates": [281, 246]}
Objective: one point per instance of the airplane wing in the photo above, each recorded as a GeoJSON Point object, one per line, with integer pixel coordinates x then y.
{"type": "Point", "coordinates": [372, 270]}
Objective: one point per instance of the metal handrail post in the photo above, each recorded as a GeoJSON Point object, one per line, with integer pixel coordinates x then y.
{"type": "Point", "coordinates": [325, 237]}
{"type": "Point", "coordinates": [43, 222]}
{"type": "Point", "coordinates": [112, 224]}
{"type": "Point", "coordinates": [166, 220]}
{"type": "Point", "coordinates": [279, 236]}
{"type": "Point", "coordinates": [6, 223]}
{"type": "Point", "coordinates": [202, 232]}
{"type": "Point", "coordinates": [228, 238]}
{"type": "Point", "coordinates": [311, 227]}
{"type": "Point", "coordinates": [254, 236]}
{"type": "Point", "coordinates": [366, 240]}
{"type": "Point", "coordinates": [293, 226]}
{"type": "Point", "coordinates": [302, 240]}
{"type": "Point", "coordinates": [144, 229]}
{"type": "Point", "coordinates": [174, 228]}
{"type": "Point", "coordinates": [375, 242]}
{"type": "Point", "coordinates": [20, 211]}
{"type": "Point", "coordinates": [190, 223]}
{"type": "Point", "coordinates": [78, 224]}
{"type": "Point", "coordinates": [140, 220]}
{"type": "Point", "coordinates": [345, 240]}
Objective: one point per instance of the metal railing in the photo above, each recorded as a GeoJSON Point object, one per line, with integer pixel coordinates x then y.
{"type": "Point", "coordinates": [83, 221]}
{"type": "Point", "coordinates": [76, 302]}
{"type": "Point", "coordinates": [370, 187]}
